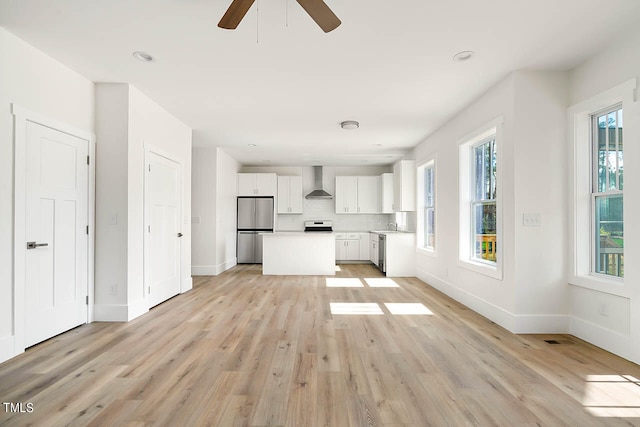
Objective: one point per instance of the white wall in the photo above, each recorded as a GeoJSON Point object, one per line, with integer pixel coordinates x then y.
{"type": "Point", "coordinates": [226, 193]}
{"type": "Point", "coordinates": [491, 297]}
{"type": "Point", "coordinates": [36, 82]}
{"type": "Point", "coordinates": [214, 211]}
{"type": "Point", "coordinates": [128, 122]}
{"type": "Point", "coordinates": [531, 296]}
{"type": "Point", "coordinates": [619, 330]}
{"type": "Point", "coordinates": [112, 129]}
{"type": "Point", "coordinates": [539, 176]}
{"type": "Point", "coordinates": [203, 208]}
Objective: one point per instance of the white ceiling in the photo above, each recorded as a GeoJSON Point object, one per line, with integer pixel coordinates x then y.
{"type": "Point", "coordinates": [281, 83]}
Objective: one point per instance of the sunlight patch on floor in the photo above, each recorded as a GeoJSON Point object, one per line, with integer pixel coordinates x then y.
{"type": "Point", "coordinates": [407, 308]}
{"type": "Point", "coordinates": [363, 308]}
{"type": "Point", "coordinates": [344, 282]}
{"type": "Point", "coordinates": [612, 396]}
{"type": "Point", "coordinates": [381, 282]}
{"type": "Point", "coordinates": [338, 268]}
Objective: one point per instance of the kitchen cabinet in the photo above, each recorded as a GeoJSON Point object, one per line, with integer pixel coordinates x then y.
{"type": "Point", "coordinates": [404, 186]}
{"type": "Point", "coordinates": [386, 193]}
{"type": "Point", "coordinates": [347, 246]}
{"type": "Point", "coordinates": [257, 184]}
{"type": "Point", "coordinates": [364, 247]}
{"type": "Point", "coordinates": [289, 194]}
{"type": "Point", "coordinates": [373, 248]}
{"type": "Point", "coordinates": [357, 194]}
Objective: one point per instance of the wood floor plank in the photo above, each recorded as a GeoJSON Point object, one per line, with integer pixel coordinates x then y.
{"type": "Point", "coordinates": [242, 349]}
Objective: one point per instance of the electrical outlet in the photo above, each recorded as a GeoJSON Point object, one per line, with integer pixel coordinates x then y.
{"type": "Point", "coordinates": [531, 220]}
{"type": "Point", "coordinates": [604, 309]}
{"type": "Point", "coordinates": [113, 290]}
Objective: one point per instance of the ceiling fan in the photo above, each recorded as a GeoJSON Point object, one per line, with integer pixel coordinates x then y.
{"type": "Point", "coordinates": [317, 10]}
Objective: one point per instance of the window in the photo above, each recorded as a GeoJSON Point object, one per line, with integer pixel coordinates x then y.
{"type": "Point", "coordinates": [483, 202]}
{"type": "Point", "coordinates": [480, 243]}
{"type": "Point", "coordinates": [427, 206]}
{"type": "Point", "coordinates": [607, 192]}
{"type": "Point", "coordinates": [596, 228]}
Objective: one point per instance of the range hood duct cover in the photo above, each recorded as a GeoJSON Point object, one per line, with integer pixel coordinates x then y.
{"type": "Point", "coordinates": [318, 192]}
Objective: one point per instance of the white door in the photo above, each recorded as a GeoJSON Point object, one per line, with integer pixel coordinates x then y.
{"type": "Point", "coordinates": [56, 232]}
{"type": "Point", "coordinates": [164, 200]}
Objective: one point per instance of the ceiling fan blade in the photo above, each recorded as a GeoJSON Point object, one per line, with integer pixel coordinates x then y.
{"type": "Point", "coordinates": [320, 12]}
{"type": "Point", "coordinates": [235, 13]}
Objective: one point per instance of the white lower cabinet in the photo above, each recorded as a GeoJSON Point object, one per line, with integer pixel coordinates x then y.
{"type": "Point", "coordinates": [352, 246]}
{"type": "Point", "coordinates": [373, 248]}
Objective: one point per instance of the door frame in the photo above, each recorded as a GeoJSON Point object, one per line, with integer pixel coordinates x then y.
{"type": "Point", "coordinates": [21, 116]}
{"type": "Point", "coordinates": [148, 150]}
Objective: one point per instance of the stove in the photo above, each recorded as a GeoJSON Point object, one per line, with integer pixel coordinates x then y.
{"type": "Point", "coordinates": [317, 226]}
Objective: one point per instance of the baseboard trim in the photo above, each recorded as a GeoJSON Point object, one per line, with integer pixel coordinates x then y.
{"type": "Point", "coordinates": [7, 348]}
{"type": "Point", "coordinates": [480, 306]}
{"type": "Point", "coordinates": [610, 340]}
{"type": "Point", "coordinates": [517, 324]}
{"type": "Point", "coordinates": [204, 270]}
{"type": "Point", "coordinates": [221, 268]}
{"type": "Point", "coordinates": [120, 312]}
{"type": "Point", "coordinates": [541, 324]}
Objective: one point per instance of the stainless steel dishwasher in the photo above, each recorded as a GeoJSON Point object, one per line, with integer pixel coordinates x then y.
{"type": "Point", "coordinates": [382, 243]}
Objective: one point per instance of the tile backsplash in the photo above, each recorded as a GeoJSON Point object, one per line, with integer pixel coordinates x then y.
{"type": "Point", "coordinates": [326, 210]}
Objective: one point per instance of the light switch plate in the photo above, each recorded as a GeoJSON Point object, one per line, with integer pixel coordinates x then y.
{"type": "Point", "coordinates": [531, 220]}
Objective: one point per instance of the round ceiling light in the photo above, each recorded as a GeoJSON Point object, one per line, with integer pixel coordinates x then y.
{"type": "Point", "coordinates": [350, 125]}
{"type": "Point", "coordinates": [143, 56]}
{"type": "Point", "coordinates": [463, 56]}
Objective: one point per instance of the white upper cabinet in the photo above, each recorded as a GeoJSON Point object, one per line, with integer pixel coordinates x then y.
{"type": "Point", "coordinates": [357, 194]}
{"type": "Point", "coordinates": [289, 194]}
{"type": "Point", "coordinates": [404, 186]}
{"type": "Point", "coordinates": [368, 194]}
{"type": "Point", "coordinates": [257, 184]}
{"type": "Point", "coordinates": [386, 193]}
{"type": "Point", "coordinates": [346, 194]}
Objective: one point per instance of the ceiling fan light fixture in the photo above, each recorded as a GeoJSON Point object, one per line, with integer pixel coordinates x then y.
{"type": "Point", "coordinates": [143, 56]}
{"type": "Point", "coordinates": [349, 125]}
{"type": "Point", "coordinates": [463, 56]}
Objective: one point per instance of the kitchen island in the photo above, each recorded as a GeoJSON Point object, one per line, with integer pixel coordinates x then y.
{"type": "Point", "coordinates": [299, 253]}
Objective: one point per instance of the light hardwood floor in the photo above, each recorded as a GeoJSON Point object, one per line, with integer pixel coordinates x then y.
{"type": "Point", "coordinates": [242, 349]}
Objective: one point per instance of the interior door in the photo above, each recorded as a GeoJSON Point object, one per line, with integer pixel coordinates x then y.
{"type": "Point", "coordinates": [164, 201]}
{"type": "Point", "coordinates": [56, 234]}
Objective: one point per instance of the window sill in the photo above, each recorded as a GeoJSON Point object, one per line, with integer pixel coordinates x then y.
{"type": "Point", "coordinates": [427, 252]}
{"type": "Point", "coordinates": [491, 270]}
{"type": "Point", "coordinates": [600, 283]}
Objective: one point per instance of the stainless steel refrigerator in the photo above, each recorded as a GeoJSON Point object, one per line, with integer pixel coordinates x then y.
{"type": "Point", "coordinates": [255, 217]}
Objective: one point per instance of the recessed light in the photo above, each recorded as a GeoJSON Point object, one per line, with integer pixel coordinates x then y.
{"type": "Point", "coordinates": [463, 56]}
{"type": "Point", "coordinates": [143, 56]}
{"type": "Point", "coordinates": [251, 145]}
{"type": "Point", "coordinates": [377, 145]}
{"type": "Point", "coordinates": [266, 161]}
{"type": "Point", "coordinates": [350, 125]}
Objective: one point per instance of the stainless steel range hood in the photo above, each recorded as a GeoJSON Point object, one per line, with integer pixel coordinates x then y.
{"type": "Point", "coordinates": [318, 192]}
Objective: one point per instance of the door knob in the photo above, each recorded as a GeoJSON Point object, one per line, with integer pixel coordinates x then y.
{"type": "Point", "coordinates": [34, 245]}
{"type": "Point", "coordinates": [179, 234]}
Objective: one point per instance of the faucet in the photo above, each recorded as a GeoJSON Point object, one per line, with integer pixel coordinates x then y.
{"type": "Point", "coordinates": [394, 224]}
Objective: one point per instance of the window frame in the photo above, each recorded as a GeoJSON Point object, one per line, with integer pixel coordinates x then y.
{"type": "Point", "coordinates": [580, 155]}
{"type": "Point", "coordinates": [492, 130]}
{"type": "Point", "coordinates": [428, 163]}
{"type": "Point", "coordinates": [480, 202]}
{"type": "Point", "coordinates": [595, 191]}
